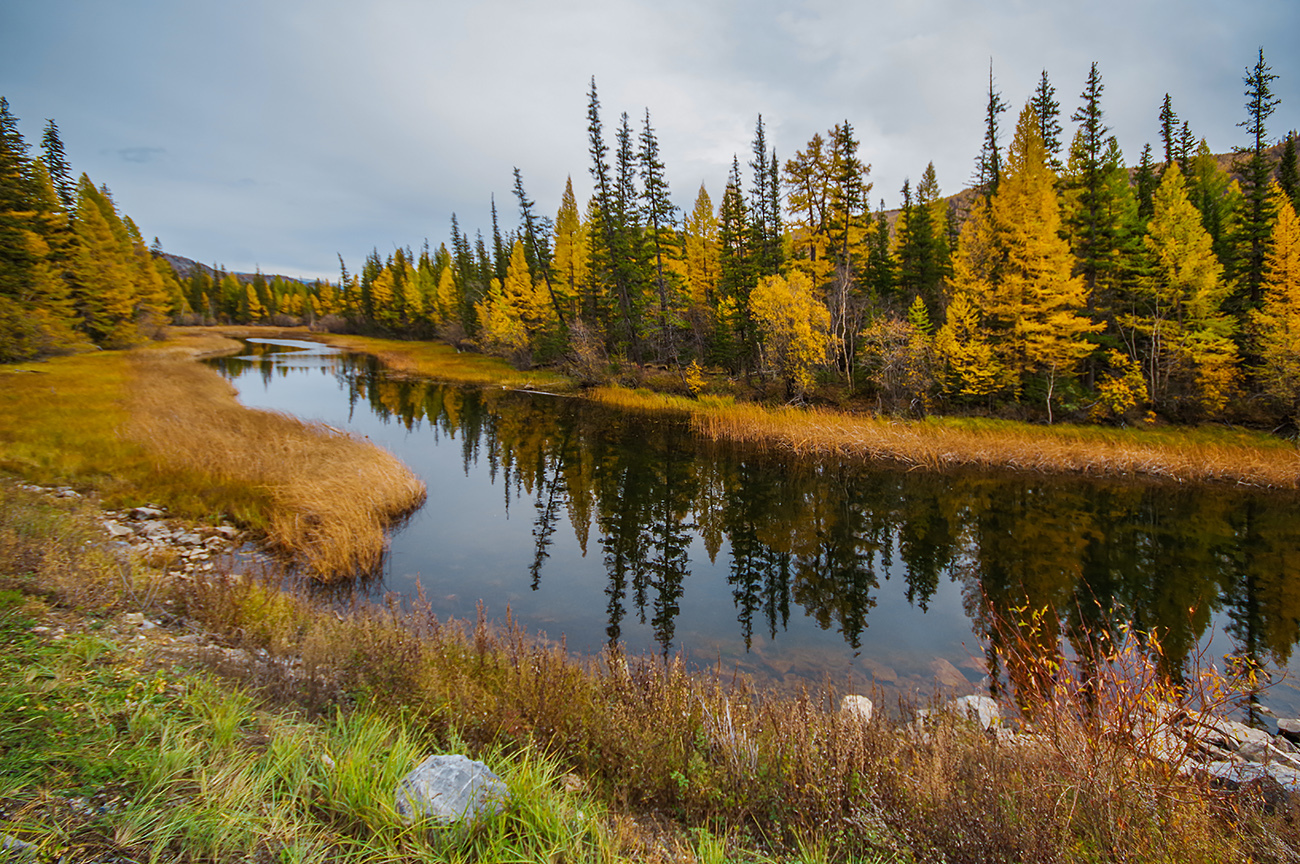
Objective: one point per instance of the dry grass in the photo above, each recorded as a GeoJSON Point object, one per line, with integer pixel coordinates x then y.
{"type": "Point", "coordinates": [1183, 455]}
{"type": "Point", "coordinates": [331, 496]}
{"type": "Point", "coordinates": [667, 752]}
{"type": "Point", "coordinates": [151, 425]}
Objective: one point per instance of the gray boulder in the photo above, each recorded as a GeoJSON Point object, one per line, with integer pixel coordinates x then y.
{"type": "Point", "coordinates": [450, 788]}
{"type": "Point", "coordinates": [981, 710]}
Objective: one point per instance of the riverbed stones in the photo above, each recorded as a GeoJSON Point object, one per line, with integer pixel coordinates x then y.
{"type": "Point", "coordinates": [450, 788]}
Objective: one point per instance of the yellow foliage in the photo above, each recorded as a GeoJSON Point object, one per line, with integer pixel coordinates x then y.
{"type": "Point", "coordinates": [1277, 323]}
{"type": "Point", "coordinates": [972, 368]}
{"type": "Point", "coordinates": [794, 324]}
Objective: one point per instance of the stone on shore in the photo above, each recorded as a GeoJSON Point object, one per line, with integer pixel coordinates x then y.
{"type": "Point", "coordinates": [450, 788]}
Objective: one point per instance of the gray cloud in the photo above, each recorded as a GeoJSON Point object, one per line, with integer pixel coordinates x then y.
{"type": "Point", "coordinates": [141, 154]}
{"type": "Point", "coordinates": [368, 125]}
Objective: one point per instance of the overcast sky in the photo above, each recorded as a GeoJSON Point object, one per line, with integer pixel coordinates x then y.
{"type": "Point", "coordinates": [276, 134]}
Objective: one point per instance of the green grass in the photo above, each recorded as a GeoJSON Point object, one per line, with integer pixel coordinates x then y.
{"type": "Point", "coordinates": [101, 756]}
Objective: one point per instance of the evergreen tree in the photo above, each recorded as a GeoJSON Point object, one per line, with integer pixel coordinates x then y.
{"type": "Point", "coordinates": [500, 259]}
{"type": "Point", "coordinates": [922, 253]}
{"type": "Point", "coordinates": [1185, 148]}
{"type": "Point", "coordinates": [1288, 171]}
{"type": "Point", "coordinates": [1087, 194]}
{"type": "Point", "coordinates": [1169, 130]}
{"type": "Point", "coordinates": [1255, 220]}
{"type": "Point", "coordinates": [764, 207]}
{"type": "Point", "coordinates": [661, 226]}
{"type": "Point", "coordinates": [735, 275]}
{"type": "Point", "coordinates": [879, 271]}
{"type": "Point", "coordinates": [988, 167]}
{"type": "Point", "coordinates": [1049, 120]}
{"type": "Point", "coordinates": [536, 239]}
{"type": "Point", "coordinates": [56, 162]}
{"type": "Point", "coordinates": [1145, 183]}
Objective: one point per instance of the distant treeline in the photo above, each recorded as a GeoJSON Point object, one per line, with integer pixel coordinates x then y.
{"type": "Point", "coordinates": [1064, 283]}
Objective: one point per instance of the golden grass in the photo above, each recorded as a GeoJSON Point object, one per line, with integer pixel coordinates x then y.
{"type": "Point", "coordinates": [151, 425]}
{"type": "Point", "coordinates": [1184, 455]}
{"type": "Point", "coordinates": [332, 496]}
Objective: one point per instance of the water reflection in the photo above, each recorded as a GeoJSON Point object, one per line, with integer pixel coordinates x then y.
{"type": "Point", "coordinates": [823, 539]}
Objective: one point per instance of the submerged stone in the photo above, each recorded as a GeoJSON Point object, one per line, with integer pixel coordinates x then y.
{"type": "Point", "coordinates": [450, 788]}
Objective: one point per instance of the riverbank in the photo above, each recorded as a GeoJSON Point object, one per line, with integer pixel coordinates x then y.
{"type": "Point", "coordinates": [1211, 454]}
{"type": "Point", "coordinates": [214, 716]}
{"type": "Point", "coordinates": [152, 425]}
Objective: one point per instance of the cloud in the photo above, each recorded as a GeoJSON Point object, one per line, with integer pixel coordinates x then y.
{"type": "Point", "coordinates": [141, 154]}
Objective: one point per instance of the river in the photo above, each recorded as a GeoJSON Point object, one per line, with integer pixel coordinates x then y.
{"type": "Point", "coordinates": [600, 526]}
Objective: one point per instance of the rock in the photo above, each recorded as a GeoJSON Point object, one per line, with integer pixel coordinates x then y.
{"type": "Point", "coordinates": [450, 788]}
{"type": "Point", "coordinates": [137, 619]}
{"type": "Point", "coordinates": [117, 529]}
{"type": "Point", "coordinates": [857, 708]}
{"type": "Point", "coordinates": [188, 539]}
{"type": "Point", "coordinates": [947, 674]}
{"type": "Point", "coordinates": [156, 531]}
{"type": "Point", "coordinates": [145, 514]}
{"type": "Point", "coordinates": [978, 709]}
{"type": "Point", "coordinates": [15, 849]}
{"type": "Point", "coordinates": [1234, 774]}
{"type": "Point", "coordinates": [1289, 728]}
{"type": "Point", "coordinates": [1229, 733]}
{"type": "Point", "coordinates": [228, 531]}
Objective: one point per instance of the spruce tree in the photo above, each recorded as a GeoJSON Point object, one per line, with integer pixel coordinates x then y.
{"type": "Point", "coordinates": [56, 162]}
{"type": "Point", "coordinates": [1145, 182]}
{"type": "Point", "coordinates": [1288, 172]}
{"type": "Point", "coordinates": [1049, 120]}
{"type": "Point", "coordinates": [1169, 130]}
{"type": "Point", "coordinates": [1255, 220]}
{"type": "Point", "coordinates": [1091, 233]}
{"type": "Point", "coordinates": [988, 167]}
{"type": "Point", "coordinates": [661, 224]}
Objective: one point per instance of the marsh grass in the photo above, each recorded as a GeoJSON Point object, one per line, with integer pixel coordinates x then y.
{"type": "Point", "coordinates": [1183, 455]}
{"type": "Point", "coordinates": [331, 497]}
{"type": "Point", "coordinates": [151, 425]}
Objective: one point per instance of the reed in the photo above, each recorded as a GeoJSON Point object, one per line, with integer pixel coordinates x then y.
{"type": "Point", "coordinates": [1182, 455]}
{"type": "Point", "coordinates": [330, 496]}
{"type": "Point", "coordinates": [151, 425]}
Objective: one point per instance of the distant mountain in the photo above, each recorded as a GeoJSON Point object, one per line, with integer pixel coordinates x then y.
{"type": "Point", "coordinates": [185, 267]}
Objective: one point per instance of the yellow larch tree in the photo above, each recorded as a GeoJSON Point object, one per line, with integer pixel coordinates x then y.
{"type": "Point", "coordinates": [1192, 357]}
{"type": "Point", "coordinates": [1277, 322]}
{"type": "Point", "coordinates": [701, 258]}
{"type": "Point", "coordinates": [572, 259]}
{"type": "Point", "coordinates": [794, 326]}
{"type": "Point", "coordinates": [1015, 265]}
{"type": "Point", "coordinates": [970, 366]}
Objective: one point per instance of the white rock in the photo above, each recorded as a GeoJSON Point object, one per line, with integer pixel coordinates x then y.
{"type": "Point", "coordinates": [978, 709]}
{"type": "Point", "coordinates": [858, 708]}
{"type": "Point", "coordinates": [449, 789]}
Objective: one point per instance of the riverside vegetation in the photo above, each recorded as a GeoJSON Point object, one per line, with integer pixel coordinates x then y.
{"type": "Point", "coordinates": [660, 763]}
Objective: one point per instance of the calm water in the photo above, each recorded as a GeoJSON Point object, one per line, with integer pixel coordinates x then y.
{"type": "Point", "coordinates": [604, 526]}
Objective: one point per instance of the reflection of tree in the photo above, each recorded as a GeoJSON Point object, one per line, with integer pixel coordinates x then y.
{"type": "Point", "coordinates": [835, 575]}
{"type": "Point", "coordinates": [1262, 588]}
{"type": "Point", "coordinates": [1094, 557]}
{"type": "Point", "coordinates": [760, 576]}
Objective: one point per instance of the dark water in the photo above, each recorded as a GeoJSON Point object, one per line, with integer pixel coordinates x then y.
{"type": "Point", "coordinates": [601, 526]}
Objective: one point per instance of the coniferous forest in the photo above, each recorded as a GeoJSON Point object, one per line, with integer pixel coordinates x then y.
{"type": "Point", "coordinates": [1063, 284]}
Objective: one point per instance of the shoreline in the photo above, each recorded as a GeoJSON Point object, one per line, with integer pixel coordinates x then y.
{"type": "Point", "coordinates": [1210, 455]}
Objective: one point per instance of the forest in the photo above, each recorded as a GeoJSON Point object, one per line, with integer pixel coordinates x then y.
{"type": "Point", "coordinates": [1063, 284]}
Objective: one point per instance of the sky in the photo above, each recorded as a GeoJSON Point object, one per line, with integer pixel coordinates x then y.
{"type": "Point", "coordinates": [281, 134]}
